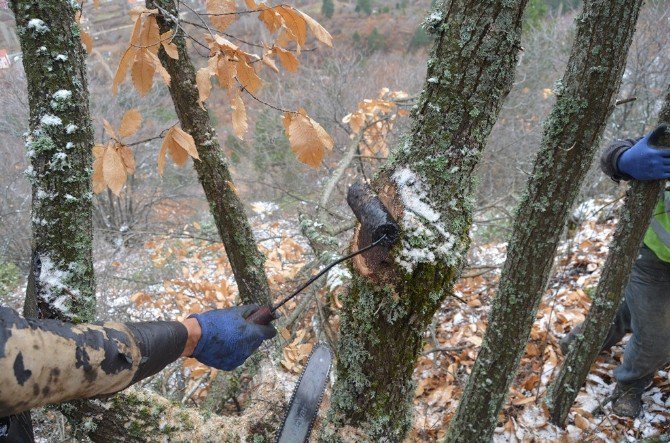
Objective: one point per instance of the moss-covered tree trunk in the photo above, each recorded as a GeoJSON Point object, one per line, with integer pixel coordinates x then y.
{"type": "Point", "coordinates": [226, 207]}
{"type": "Point", "coordinates": [428, 187]}
{"type": "Point", "coordinates": [585, 98]}
{"type": "Point", "coordinates": [641, 198]}
{"type": "Point", "coordinates": [61, 283]}
{"type": "Point", "coordinates": [61, 280]}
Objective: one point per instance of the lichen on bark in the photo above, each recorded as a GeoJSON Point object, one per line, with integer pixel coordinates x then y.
{"type": "Point", "coordinates": [59, 149]}
{"type": "Point", "coordinates": [585, 98]}
{"type": "Point", "coordinates": [428, 187]}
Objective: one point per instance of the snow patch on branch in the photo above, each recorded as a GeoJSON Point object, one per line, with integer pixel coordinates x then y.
{"type": "Point", "coordinates": [426, 238]}
{"type": "Point", "coordinates": [38, 26]}
{"type": "Point", "coordinates": [54, 286]}
{"type": "Point", "coordinates": [51, 120]}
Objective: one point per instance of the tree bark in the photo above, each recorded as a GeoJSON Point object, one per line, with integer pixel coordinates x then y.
{"type": "Point", "coordinates": [61, 282]}
{"type": "Point", "coordinates": [634, 216]}
{"type": "Point", "coordinates": [428, 188]}
{"type": "Point", "coordinates": [226, 207]}
{"type": "Point", "coordinates": [571, 134]}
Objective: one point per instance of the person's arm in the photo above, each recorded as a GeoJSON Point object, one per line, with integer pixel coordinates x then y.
{"type": "Point", "coordinates": [48, 361]}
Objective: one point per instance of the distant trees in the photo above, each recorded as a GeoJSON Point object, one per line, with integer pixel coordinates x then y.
{"type": "Point", "coordinates": [327, 8]}
{"type": "Point", "coordinates": [364, 6]}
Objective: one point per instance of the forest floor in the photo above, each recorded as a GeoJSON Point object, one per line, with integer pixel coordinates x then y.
{"type": "Point", "coordinates": [451, 349]}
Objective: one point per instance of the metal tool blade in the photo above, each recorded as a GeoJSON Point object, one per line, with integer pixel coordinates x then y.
{"type": "Point", "coordinates": [307, 396]}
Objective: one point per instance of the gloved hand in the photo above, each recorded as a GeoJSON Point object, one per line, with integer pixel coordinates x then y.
{"type": "Point", "coordinates": [645, 161]}
{"type": "Point", "coordinates": [227, 339]}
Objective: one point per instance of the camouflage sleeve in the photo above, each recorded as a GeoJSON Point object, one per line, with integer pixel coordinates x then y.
{"type": "Point", "coordinates": [48, 361]}
{"type": "Point", "coordinates": [610, 156]}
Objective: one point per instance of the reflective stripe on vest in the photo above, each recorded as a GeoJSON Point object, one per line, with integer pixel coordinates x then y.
{"type": "Point", "coordinates": [657, 237]}
{"type": "Point", "coordinates": [660, 231]}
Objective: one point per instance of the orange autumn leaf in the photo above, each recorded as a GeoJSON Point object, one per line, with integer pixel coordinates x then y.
{"type": "Point", "coordinates": [180, 145]}
{"type": "Point", "coordinates": [288, 60]}
{"type": "Point", "coordinates": [113, 170]}
{"type": "Point", "coordinates": [307, 138]}
{"type": "Point", "coordinates": [226, 7]}
{"type": "Point", "coordinates": [130, 123]}
{"type": "Point", "coordinates": [240, 125]}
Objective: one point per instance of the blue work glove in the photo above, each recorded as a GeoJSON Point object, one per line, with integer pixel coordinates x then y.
{"type": "Point", "coordinates": [227, 339]}
{"type": "Point", "coordinates": [646, 161]}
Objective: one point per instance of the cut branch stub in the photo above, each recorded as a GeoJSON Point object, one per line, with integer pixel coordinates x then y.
{"type": "Point", "coordinates": [375, 219]}
{"type": "Point", "coordinates": [376, 222]}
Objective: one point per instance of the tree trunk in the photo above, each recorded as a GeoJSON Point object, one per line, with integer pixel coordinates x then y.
{"type": "Point", "coordinates": [231, 221]}
{"type": "Point", "coordinates": [61, 282]}
{"type": "Point", "coordinates": [571, 134]}
{"type": "Point", "coordinates": [641, 198]}
{"type": "Point", "coordinates": [428, 188]}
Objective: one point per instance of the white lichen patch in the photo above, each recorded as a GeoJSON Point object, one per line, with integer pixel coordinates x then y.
{"type": "Point", "coordinates": [61, 58]}
{"type": "Point", "coordinates": [51, 120]}
{"type": "Point", "coordinates": [71, 128]}
{"type": "Point", "coordinates": [426, 238]}
{"type": "Point", "coordinates": [38, 26]}
{"type": "Point", "coordinates": [62, 94]}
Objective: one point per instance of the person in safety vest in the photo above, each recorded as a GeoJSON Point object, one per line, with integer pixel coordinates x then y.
{"type": "Point", "coordinates": [48, 361]}
{"type": "Point", "coordinates": [645, 310]}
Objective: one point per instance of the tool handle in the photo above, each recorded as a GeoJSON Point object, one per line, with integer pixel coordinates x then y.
{"type": "Point", "coordinates": [261, 316]}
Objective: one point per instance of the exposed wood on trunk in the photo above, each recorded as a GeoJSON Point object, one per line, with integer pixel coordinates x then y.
{"type": "Point", "coordinates": [585, 98]}
{"type": "Point", "coordinates": [641, 198]}
{"type": "Point", "coordinates": [226, 207]}
{"type": "Point", "coordinates": [428, 189]}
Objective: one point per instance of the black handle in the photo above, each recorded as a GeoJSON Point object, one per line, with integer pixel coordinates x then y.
{"type": "Point", "coordinates": [261, 316]}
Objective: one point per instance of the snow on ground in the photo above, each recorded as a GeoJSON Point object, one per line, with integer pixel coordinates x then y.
{"type": "Point", "coordinates": [450, 352]}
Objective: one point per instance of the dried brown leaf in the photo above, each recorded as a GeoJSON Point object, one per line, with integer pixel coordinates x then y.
{"type": "Point", "coordinates": [288, 60]}
{"type": "Point", "coordinates": [159, 67]}
{"type": "Point", "coordinates": [204, 83]}
{"type": "Point", "coordinates": [248, 77]}
{"type": "Point", "coordinates": [108, 128]}
{"type": "Point", "coordinates": [130, 123]}
{"type": "Point", "coordinates": [185, 141]}
{"type": "Point", "coordinates": [113, 170]}
{"type": "Point", "coordinates": [270, 18]}
{"type": "Point", "coordinates": [319, 31]}
{"type": "Point", "coordinates": [98, 178]}
{"type": "Point", "coordinates": [170, 48]}
{"type": "Point", "coordinates": [307, 139]}
{"type": "Point", "coordinates": [143, 71]}
{"type": "Point", "coordinates": [150, 36]}
{"type": "Point", "coordinates": [221, 22]}
{"type": "Point", "coordinates": [87, 41]}
{"type": "Point", "coordinates": [240, 125]}
{"type": "Point", "coordinates": [226, 72]}
{"type": "Point", "coordinates": [294, 23]}
{"type": "Point", "coordinates": [128, 159]}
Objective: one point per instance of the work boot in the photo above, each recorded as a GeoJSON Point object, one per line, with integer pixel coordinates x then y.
{"type": "Point", "coordinates": [627, 400]}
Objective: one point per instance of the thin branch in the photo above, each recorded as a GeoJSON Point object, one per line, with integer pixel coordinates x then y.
{"type": "Point", "coordinates": [147, 140]}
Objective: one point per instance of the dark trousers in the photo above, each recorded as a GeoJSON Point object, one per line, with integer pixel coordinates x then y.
{"type": "Point", "coordinates": [645, 312]}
